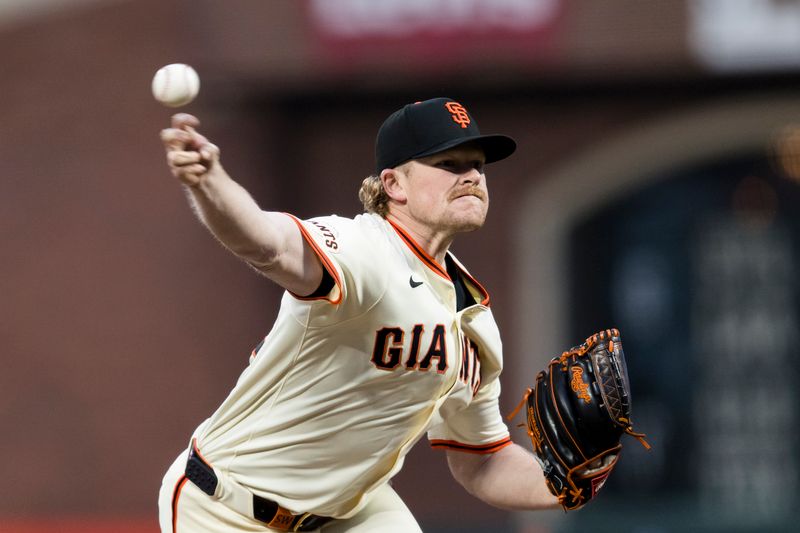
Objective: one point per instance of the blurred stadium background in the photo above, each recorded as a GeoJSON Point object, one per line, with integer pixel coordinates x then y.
{"type": "Point", "coordinates": [655, 189]}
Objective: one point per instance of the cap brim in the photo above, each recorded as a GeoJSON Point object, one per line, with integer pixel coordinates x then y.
{"type": "Point", "coordinates": [495, 147]}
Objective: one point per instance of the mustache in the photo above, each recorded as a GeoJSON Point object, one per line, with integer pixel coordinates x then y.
{"type": "Point", "coordinates": [469, 191]}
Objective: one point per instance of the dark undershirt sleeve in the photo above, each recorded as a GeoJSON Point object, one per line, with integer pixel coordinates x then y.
{"type": "Point", "coordinates": [325, 285]}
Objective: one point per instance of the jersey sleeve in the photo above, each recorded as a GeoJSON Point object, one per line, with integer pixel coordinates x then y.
{"type": "Point", "coordinates": [323, 242]}
{"type": "Point", "coordinates": [345, 247]}
{"type": "Point", "coordinates": [477, 428]}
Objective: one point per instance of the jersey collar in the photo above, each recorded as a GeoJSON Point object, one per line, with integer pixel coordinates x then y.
{"type": "Point", "coordinates": [438, 269]}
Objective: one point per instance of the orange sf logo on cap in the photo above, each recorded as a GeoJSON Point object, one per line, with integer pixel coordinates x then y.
{"type": "Point", "coordinates": [458, 112]}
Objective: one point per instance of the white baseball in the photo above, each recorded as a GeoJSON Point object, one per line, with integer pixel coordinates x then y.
{"type": "Point", "coordinates": [176, 85]}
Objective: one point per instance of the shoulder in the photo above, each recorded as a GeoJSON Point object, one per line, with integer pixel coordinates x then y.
{"type": "Point", "coordinates": [363, 221]}
{"type": "Point", "coordinates": [351, 247]}
{"type": "Point", "coordinates": [335, 231]}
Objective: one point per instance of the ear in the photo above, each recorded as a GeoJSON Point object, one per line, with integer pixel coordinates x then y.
{"type": "Point", "coordinates": [394, 181]}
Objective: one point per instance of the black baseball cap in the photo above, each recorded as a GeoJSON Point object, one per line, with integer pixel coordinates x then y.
{"type": "Point", "coordinates": [426, 128]}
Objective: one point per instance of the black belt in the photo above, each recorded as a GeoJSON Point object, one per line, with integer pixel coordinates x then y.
{"type": "Point", "coordinates": [273, 515]}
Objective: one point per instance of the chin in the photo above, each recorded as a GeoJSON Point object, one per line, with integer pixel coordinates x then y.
{"type": "Point", "coordinates": [472, 224]}
{"type": "Point", "coordinates": [473, 216]}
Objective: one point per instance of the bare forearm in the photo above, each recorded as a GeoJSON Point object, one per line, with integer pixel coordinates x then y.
{"type": "Point", "coordinates": [271, 242]}
{"type": "Point", "coordinates": [509, 479]}
{"type": "Point", "coordinates": [234, 218]}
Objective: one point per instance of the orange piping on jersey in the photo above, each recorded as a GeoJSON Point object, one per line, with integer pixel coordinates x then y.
{"type": "Point", "coordinates": [326, 263]}
{"type": "Point", "coordinates": [491, 447]}
{"type": "Point", "coordinates": [176, 494]}
{"type": "Point", "coordinates": [419, 252]}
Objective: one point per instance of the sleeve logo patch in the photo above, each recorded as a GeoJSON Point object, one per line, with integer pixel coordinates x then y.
{"type": "Point", "coordinates": [328, 235]}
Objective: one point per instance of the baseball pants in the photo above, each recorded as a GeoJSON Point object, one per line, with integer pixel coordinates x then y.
{"type": "Point", "coordinates": [196, 512]}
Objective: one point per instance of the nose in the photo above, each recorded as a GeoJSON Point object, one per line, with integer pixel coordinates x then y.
{"type": "Point", "coordinates": [473, 175]}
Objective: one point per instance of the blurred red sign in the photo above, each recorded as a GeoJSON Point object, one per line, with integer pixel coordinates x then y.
{"type": "Point", "coordinates": [432, 31]}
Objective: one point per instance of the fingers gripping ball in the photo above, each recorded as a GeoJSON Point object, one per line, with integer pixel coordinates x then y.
{"type": "Point", "coordinates": [176, 85]}
{"type": "Point", "coordinates": [576, 415]}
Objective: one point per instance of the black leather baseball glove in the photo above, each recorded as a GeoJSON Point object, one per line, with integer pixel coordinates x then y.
{"type": "Point", "coordinates": [577, 413]}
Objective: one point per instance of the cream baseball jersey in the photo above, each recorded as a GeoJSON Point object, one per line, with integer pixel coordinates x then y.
{"type": "Point", "coordinates": [343, 386]}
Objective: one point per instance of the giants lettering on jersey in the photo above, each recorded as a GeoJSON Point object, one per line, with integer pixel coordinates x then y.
{"type": "Point", "coordinates": [470, 364]}
{"type": "Point", "coordinates": [393, 349]}
{"type": "Point", "coordinates": [330, 236]}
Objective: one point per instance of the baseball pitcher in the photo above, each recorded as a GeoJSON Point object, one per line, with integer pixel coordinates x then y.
{"type": "Point", "coordinates": [383, 337]}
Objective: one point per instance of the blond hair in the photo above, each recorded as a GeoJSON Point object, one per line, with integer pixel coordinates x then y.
{"type": "Point", "coordinates": [373, 196]}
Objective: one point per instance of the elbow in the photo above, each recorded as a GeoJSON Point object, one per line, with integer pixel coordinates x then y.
{"type": "Point", "coordinates": [467, 470]}
{"type": "Point", "coordinates": [260, 258]}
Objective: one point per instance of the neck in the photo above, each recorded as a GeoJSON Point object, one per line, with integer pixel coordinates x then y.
{"type": "Point", "coordinates": [434, 243]}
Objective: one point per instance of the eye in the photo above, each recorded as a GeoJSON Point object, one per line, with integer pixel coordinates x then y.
{"type": "Point", "coordinates": [457, 166]}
